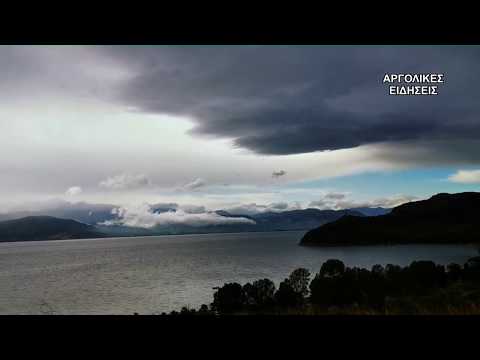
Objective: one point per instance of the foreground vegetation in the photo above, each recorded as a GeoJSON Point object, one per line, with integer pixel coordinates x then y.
{"type": "Point", "coordinates": [423, 287]}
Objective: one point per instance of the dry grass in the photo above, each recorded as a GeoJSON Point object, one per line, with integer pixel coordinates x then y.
{"type": "Point", "coordinates": [399, 307]}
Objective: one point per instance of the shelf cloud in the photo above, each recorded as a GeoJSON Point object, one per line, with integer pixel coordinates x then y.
{"type": "Point", "coordinates": [171, 123]}
{"type": "Point", "coordinates": [290, 100]}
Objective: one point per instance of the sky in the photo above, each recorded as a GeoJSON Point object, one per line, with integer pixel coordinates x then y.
{"type": "Point", "coordinates": [245, 128]}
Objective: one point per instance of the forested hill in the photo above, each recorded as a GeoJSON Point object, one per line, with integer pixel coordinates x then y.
{"type": "Point", "coordinates": [444, 218]}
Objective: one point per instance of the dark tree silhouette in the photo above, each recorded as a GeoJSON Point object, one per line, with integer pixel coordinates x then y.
{"type": "Point", "coordinates": [250, 295]}
{"type": "Point", "coordinates": [229, 298]}
{"type": "Point", "coordinates": [204, 310]}
{"type": "Point", "coordinates": [336, 285]}
{"type": "Point", "coordinates": [422, 276]}
{"type": "Point", "coordinates": [299, 280]}
{"type": "Point", "coordinates": [286, 296]}
{"type": "Point", "coordinates": [261, 293]}
{"type": "Point", "coordinates": [187, 311]}
{"type": "Point", "coordinates": [332, 268]}
{"type": "Point", "coordinates": [473, 263]}
{"type": "Point", "coordinates": [378, 270]}
{"type": "Point", "coordinates": [454, 272]}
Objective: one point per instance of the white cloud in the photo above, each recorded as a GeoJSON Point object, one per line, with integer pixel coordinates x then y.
{"type": "Point", "coordinates": [253, 208]}
{"type": "Point", "coordinates": [125, 181]}
{"type": "Point", "coordinates": [466, 177]}
{"type": "Point", "coordinates": [246, 209]}
{"type": "Point", "coordinates": [386, 202]}
{"type": "Point", "coordinates": [142, 216]}
{"type": "Point", "coordinates": [74, 190]}
{"type": "Point", "coordinates": [337, 201]}
{"type": "Point", "coordinates": [194, 185]}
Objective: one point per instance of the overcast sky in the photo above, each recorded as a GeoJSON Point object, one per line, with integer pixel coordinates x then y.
{"type": "Point", "coordinates": [235, 126]}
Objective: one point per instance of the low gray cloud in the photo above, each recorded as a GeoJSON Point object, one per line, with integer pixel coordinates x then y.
{"type": "Point", "coordinates": [143, 216]}
{"type": "Point", "coordinates": [193, 209]}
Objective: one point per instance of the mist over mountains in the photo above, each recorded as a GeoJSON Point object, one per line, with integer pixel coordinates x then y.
{"type": "Point", "coordinates": [444, 218]}
{"type": "Point", "coordinates": [99, 220]}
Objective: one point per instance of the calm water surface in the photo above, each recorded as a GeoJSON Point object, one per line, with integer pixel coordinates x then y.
{"type": "Point", "coordinates": [149, 275]}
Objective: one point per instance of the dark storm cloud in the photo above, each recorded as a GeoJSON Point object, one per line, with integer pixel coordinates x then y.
{"type": "Point", "coordinates": [430, 153]}
{"type": "Point", "coordinates": [289, 100]}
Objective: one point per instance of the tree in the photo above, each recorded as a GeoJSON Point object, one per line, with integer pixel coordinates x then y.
{"type": "Point", "coordinates": [473, 263]}
{"type": "Point", "coordinates": [259, 294]}
{"type": "Point", "coordinates": [454, 272]}
{"type": "Point", "coordinates": [392, 270]}
{"type": "Point", "coordinates": [286, 296]}
{"type": "Point", "coordinates": [264, 292]}
{"type": "Point", "coordinates": [204, 310]}
{"type": "Point", "coordinates": [229, 298]}
{"type": "Point", "coordinates": [472, 269]}
{"type": "Point", "coordinates": [186, 311]}
{"type": "Point", "coordinates": [332, 268]}
{"type": "Point", "coordinates": [322, 290]}
{"type": "Point", "coordinates": [299, 280]}
{"type": "Point", "coordinates": [424, 275]}
{"type": "Point", "coordinates": [378, 269]}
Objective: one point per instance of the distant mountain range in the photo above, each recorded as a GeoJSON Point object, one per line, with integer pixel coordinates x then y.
{"type": "Point", "coordinates": [267, 221]}
{"type": "Point", "coordinates": [374, 211]}
{"type": "Point", "coordinates": [36, 228]}
{"type": "Point", "coordinates": [82, 212]}
{"type": "Point", "coordinates": [84, 221]}
{"type": "Point", "coordinates": [444, 218]}
{"type": "Point", "coordinates": [296, 219]}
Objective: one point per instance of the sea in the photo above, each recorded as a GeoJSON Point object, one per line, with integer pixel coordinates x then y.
{"type": "Point", "coordinates": [155, 274]}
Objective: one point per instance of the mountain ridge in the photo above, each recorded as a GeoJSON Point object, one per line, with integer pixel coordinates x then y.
{"type": "Point", "coordinates": [443, 218]}
{"type": "Point", "coordinates": [39, 228]}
